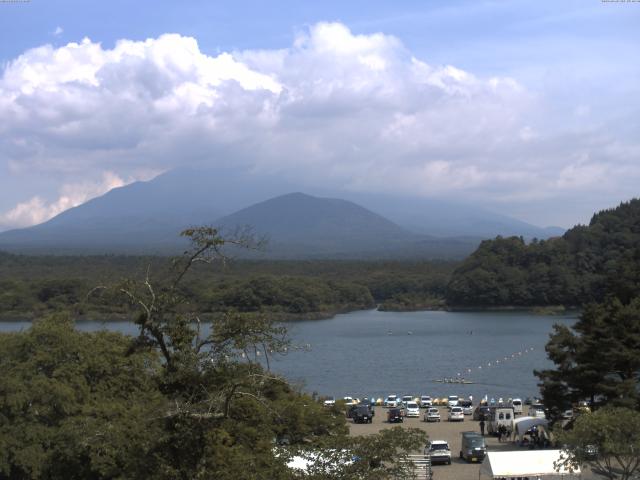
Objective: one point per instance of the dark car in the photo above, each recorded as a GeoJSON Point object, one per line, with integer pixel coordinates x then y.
{"type": "Point", "coordinates": [473, 447]}
{"type": "Point", "coordinates": [394, 415]}
{"type": "Point", "coordinates": [482, 412]}
{"type": "Point", "coordinates": [362, 414]}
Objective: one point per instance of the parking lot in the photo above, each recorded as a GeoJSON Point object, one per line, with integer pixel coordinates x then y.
{"type": "Point", "coordinates": [443, 430]}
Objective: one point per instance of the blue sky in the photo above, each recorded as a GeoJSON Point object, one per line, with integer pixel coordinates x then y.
{"type": "Point", "coordinates": [569, 86]}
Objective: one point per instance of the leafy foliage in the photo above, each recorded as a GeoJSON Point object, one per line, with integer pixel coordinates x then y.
{"type": "Point", "coordinates": [33, 286]}
{"type": "Point", "coordinates": [583, 265]}
{"type": "Point", "coordinates": [607, 440]}
{"type": "Point", "coordinates": [172, 403]}
{"type": "Point", "coordinates": [75, 405]}
{"type": "Point", "coordinates": [598, 359]}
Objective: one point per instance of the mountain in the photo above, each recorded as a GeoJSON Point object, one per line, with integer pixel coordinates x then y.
{"type": "Point", "coordinates": [145, 217]}
{"type": "Point", "coordinates": [300, 225]}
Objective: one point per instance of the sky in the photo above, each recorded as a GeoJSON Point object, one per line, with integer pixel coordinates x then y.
{"type": "Point", "coordinates": [530, 109]}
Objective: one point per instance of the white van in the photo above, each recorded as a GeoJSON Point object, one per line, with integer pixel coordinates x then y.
{"type": "Point", "coordinates": [452, 401]}
{"type": "Point", "coordinates": [516, 403]}
{"type": "Point", "coordinates": [500, 416]}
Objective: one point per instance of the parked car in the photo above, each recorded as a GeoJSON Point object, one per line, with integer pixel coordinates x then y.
{"type": "Point", "coordinates": [348, 401]}
{"type": "Point", "coordinates": [516, 403]}
{"type": "Point", "coordinates": [456, 414]}
{"type": "Point", "coordinates": [452, 401]}
{"type": "Point", "coordinates": [467, 407]}
{"type": "Point", "coordinates": [438, 451]}
{"type": "Point", "coordinates": [352, 409]}
{"type": "Point", "coordinates": [329, 402]}
{"type": "Point", "coordinates": [394, 415]}
{"type": "Point", "coordinates": [391, 401]}
{"type": "Point", "coordinates": [362, 414]}
{"type": "Point", "coordinates": [537, 410]}
{"type": "Point", "coordinates": [432, 415]}
{"type": "Point", "coordinates": [412, 409]}
{"type": "Point", "coordinates": [481, 411]}
{"type": "Point", "coordinates": [426, 401]}
{"type": "Point", "coordinates": [473, 447]}
{"type": "Point", "coordinates": [406, 399]}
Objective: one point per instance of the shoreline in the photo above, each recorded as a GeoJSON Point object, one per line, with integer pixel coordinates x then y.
{"type": "Point", "coordinates": [287, 317]}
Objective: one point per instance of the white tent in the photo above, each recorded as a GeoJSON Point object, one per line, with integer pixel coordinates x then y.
{"type": "Point", "coordinates": [522, 424]}
{"type": "Point", "coordinates": [531, 464]}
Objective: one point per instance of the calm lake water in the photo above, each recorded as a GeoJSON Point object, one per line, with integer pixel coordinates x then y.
{"type": "Point", "coordinates": [371, 353]}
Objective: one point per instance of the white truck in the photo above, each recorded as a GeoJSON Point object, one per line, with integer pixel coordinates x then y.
{"type": "Point", "coordinates": [516, 403]}
{"type": "Point", "coordinates": [499, 416]}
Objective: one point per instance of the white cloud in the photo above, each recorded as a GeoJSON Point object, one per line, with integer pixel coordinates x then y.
{"type": "Point", "coordinates": [58, 31]}
{"type": "Point", "coordinates": [37, 210]}
{"type": "Point", "coordinates": [335, 108]}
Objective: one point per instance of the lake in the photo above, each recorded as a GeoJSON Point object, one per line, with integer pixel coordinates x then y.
{"type": "Point", "coordinates": [371, 353]}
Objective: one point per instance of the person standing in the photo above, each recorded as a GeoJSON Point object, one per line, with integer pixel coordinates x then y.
{"type": "Point", "coordinates": [482, 425]}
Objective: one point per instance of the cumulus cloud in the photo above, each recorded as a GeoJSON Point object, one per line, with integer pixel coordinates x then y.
{"type": "Point", "coordinates": [334, 108]}
{"type": "Point", "coordinates": [37, 210]}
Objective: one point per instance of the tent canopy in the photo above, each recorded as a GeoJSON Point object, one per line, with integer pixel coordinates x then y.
{"type": "Point", "coordinates": [529, 463]}
{"type": "Point", "coordinates": [522, 424]}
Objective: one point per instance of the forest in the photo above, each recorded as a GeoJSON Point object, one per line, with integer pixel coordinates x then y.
{"type": "Point", "coordinates": [586, 264]}
{"type": "Point", "coordinates": [31, 286]}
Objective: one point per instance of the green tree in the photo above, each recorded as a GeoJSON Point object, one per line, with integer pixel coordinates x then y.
{"type": "Point", "coordinates": [76, 405]}
{"type": "Point", "coordinates": [598, 359]}
{"type": "Point", "coordinates": [607, 440]}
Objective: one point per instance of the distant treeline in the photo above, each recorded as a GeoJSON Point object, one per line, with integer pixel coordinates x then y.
{"type": "Point", "coordinates": [584, 265]}
{"type": "Point", "coordinates": [33, 285]}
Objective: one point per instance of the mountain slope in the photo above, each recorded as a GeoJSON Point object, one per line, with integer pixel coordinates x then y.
{"type": "Point", "coordinates": [146, 217]}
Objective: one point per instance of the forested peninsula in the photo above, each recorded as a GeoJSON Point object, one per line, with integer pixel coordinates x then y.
{"type": "Point", "coordinates": [31, 286]}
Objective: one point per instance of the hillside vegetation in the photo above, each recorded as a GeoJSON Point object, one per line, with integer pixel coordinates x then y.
{"type": "Point", "coordinates": [584, 265]}
{"type": "Point", "coordinates": [34, 285]}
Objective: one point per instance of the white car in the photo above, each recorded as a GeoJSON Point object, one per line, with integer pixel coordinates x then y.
{"type": "Point", "coordinates": [391, 401]}
{"type": "Point", "coordinates": [452, 401]}
{"type": "Point", "coordinates": [412, 410]}
{"type": "Point", "coordinates": [467, 407]}
{"type": "Point", "coordinates": [438, 451]}
{"type": "Point", "coordinates": [329, 402]}
{"type": "Point", "coordinates": [426, 401]}
{"type": "Point", "coordinates": [432, 415]}
{"type": "Point", "coordinates": [456, 414]}
{"type": "Point", "coordinates": [348, 401]}
{"type": "Point", "coordinates": [406, 399]}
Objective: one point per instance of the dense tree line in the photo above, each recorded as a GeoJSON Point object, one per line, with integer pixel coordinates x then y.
{"type": "Point", "coordinates": [172, 403]}
{"type": "Point", "coordinates": [584, 265]}
{"type": "Point", "coordinates": [32, 286]}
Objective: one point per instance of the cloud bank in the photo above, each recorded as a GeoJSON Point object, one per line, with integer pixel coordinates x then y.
{"type": "Point", "coordinates": [351, 111]}
{"type": "Point", "coordinates": [37, 210]}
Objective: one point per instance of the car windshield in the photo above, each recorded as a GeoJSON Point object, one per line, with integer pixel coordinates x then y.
{"type": "Point", "coordinates": [439, 446]}
{"type": "Point", "coordinates": [475, 442]}
{"type": "Point", "coordinates": [456, 410]}
{"type": "Point", "coordinates": [412, 405]}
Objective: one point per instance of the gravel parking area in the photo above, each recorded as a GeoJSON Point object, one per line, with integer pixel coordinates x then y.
{"type": "Point", "coordinates": [443, 430]}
